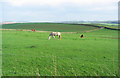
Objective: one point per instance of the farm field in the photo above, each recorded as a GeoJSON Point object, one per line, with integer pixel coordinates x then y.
{"type": "Point", "coordinates": [114, 26]}
{"type": "Point", "coordinates": [49, 27]}
{"type": "Point", "coordinates": [26, 53]}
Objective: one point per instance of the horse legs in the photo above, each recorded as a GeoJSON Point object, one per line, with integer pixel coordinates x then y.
{"type": "Point", "coordinates": [49, 37]}
{"type": "Point", "coordinates": [53, 37]}
{"type": "Point", "coordinates": [59, 37]}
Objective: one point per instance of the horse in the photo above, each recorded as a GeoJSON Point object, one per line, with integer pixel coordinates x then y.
{"type": "Point", "coordinates": [55, 34]}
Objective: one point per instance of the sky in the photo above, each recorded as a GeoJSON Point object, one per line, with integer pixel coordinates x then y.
{"type": "Point", "coordinates": [58, 10]}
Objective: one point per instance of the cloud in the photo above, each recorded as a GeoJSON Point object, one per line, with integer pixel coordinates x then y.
{"type": "Point", "coordinates": [92, 5]}
{"type": "Point", "coordinates": [59, 10]}
{"type": "Point", "coordinates": [59, 2]}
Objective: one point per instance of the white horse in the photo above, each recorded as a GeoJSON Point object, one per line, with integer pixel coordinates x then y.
{"type": "Point", "coordinates": [55, 34]}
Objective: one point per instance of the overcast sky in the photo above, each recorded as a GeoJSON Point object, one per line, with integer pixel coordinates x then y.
{"type": "Point", "coordinates": [58, 10]}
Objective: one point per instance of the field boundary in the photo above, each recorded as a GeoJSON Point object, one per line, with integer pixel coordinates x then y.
{"type": "Point", "coordinates": [24, 30]}
{"type": "Point", "coordinates": [50, 31]}
{"type": "Point", "coordinates": [98, 26]}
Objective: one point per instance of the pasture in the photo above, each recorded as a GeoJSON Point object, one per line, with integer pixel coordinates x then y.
{"type": "Point", "coordinates": [49, 27]}
{"type": "Point", "coordinates": [26, 53]}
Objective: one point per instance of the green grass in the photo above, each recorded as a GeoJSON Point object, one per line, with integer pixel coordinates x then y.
{"type": "Point", "coordinates": [49, 27]}
{"type": "Point", "coordinates": [31, 54]}
{"type": "Point", "coordinates": [114, 26]}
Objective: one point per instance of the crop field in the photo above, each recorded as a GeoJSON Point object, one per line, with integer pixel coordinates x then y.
{"type": "Point", "coordinates": [114, 26]}
{"type": "Point", "coordinates": [27, 53]}
{"type": "Point", "coordinates": [49, 27]}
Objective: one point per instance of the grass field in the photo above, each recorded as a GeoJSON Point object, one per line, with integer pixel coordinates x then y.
{"type": "Point", "coordinates": [49, 27]}
{"type": "Point", "coordinates": [114, 26]}
{"type": "Point", "coordinates": [31, 54]}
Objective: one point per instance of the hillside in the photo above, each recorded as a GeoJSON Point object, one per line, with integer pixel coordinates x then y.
{"type": "Point", "coordinates": [49, 27]}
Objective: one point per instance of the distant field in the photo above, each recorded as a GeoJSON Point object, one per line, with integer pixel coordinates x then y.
{"type": "Point", "coordinates": [31, 54]}
{"type": "Point", "coordinates": [49, 27]}
{"type": "Point", "coordinates": [114, 26]}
